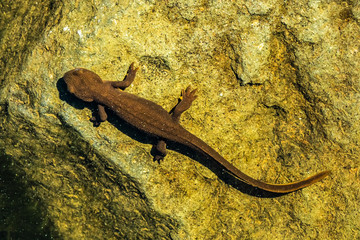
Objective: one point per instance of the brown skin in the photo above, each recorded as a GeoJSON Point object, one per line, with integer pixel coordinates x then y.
{"type": "Point", "coordinates": [154, 120]}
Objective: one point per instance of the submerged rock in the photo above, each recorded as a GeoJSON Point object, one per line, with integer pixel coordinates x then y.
{"type": "Point", "coordinates": [278, 97]}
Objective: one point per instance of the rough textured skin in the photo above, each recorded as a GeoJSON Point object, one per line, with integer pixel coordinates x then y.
{"type": "Point", "coordinates": [279, 95]}
{"type": "Point", "coordinates": [152, 119]}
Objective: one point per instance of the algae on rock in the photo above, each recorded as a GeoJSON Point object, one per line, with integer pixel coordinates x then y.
{"type": "Point", "coordinates": [278, 97]}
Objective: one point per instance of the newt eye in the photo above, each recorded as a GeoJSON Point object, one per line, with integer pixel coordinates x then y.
{"type": "Point", "coordinates": [78, 71]}
{"type": "Point", "coordinates": [71, 89]}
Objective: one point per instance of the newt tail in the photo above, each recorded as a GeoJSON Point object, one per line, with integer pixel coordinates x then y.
{"type": "Point", "coordinates": [276, 188]}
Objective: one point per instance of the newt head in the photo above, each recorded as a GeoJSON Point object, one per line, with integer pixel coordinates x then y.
{"type": "Point", "coordinates": [82, 83]}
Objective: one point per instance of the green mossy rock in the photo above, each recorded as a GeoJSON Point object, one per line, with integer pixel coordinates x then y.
{"type": "Point", "coordinates": [278, 85]}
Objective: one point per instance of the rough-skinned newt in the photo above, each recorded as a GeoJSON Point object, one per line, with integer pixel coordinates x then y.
{"type": "Point", "coordinates": [154, 120]}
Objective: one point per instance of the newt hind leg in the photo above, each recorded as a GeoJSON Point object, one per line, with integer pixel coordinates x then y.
{"type": "Point", "coordinates": [159, 151]}
{"type": "Point", "coordinates": [187, 97]}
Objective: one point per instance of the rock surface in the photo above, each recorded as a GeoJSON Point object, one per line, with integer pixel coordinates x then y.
{"type": "Point", "coordinates": [278, 97]}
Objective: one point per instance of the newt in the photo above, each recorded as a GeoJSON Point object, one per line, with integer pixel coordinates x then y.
{"type": "Point", "coordinates": [154, 120]}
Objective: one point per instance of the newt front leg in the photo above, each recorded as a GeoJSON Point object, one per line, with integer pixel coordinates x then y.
{"type": "Point", "coordinates": [100, 115]}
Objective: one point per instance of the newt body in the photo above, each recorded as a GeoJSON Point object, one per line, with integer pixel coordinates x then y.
{"type": "Point", "coordinates": [154, 120]}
